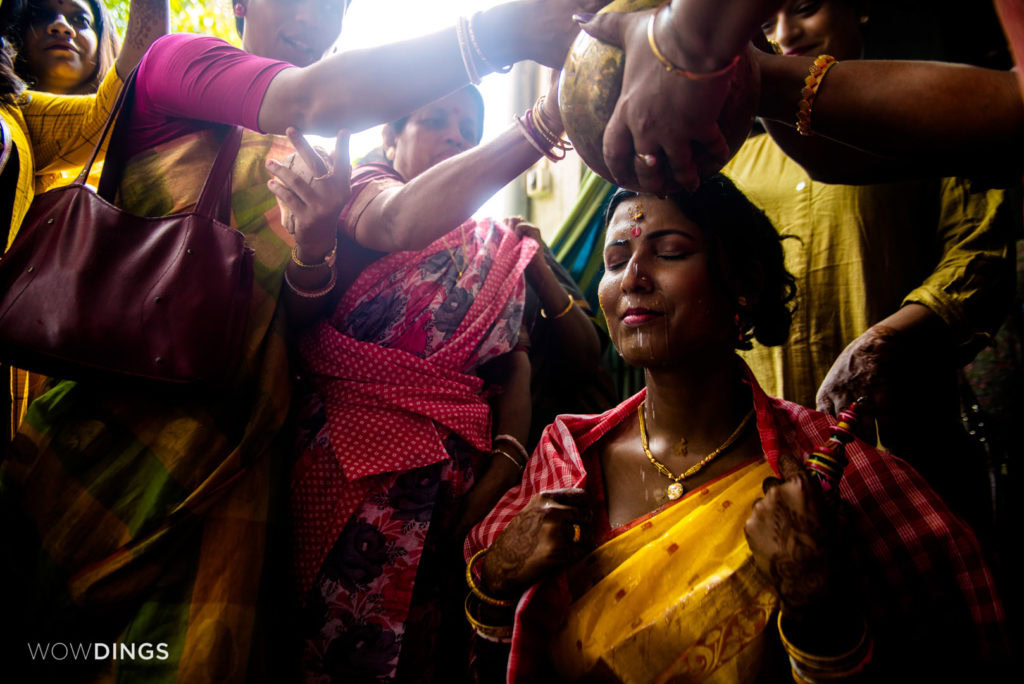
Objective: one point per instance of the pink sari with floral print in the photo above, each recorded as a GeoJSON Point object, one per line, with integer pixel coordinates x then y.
{"type": "Point", "coordinates": [387, 439]}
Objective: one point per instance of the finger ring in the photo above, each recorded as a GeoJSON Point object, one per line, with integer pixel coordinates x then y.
{"type": "Point", "coordinates": [648, 159]}
{"type": "Point", "coordinates": [577, 532]}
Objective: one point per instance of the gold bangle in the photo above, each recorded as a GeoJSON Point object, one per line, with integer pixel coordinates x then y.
{"type": "Point", "coordinates": [328, 259]}
{"type": "Point", "coordinates": [817, 661]}
{"type": "Point", "coordinates": [500, 633]}
{"type": "Point", "coordinates": [476, 591]}
{"type": "Point", "coordinates": [465, 51]}
{"type": "Point", "coordinates": [564, 311]}
{"type": "Point", "coordinates": [312, 294]}
{"type": "Point", "coordinates": [812, 82]}
{"type": "Point", "coordinates": [480, 53]}
{"type": "Point", "coordinates": [549, 135]}
{"type": "Point", "coordinates": [672, 68]}
{"type": "Point", "coordinates": [521, 466]}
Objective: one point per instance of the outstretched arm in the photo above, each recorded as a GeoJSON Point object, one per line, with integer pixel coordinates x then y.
{"type": "Point", "coordinates": [949, 119]}
{"type": "Point", "coordinates": [444, 196]}
{"type": "Point", "coordinates": [360, 88]}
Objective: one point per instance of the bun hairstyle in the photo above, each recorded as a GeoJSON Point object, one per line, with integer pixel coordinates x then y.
{"type": "Point", "coordinates": [745, 256]}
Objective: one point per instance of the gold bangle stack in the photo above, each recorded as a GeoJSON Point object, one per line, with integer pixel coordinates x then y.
{"type": "Point", "coordinates": [496, 633]}
{"type": "Point", "coordinates": [466, 51]}
{"type": "Point", "coordinates": [476, 591]}
{"type": "Point", "coordinates": [549, 135]}
{"type": "Point", "coordinates": [809, 667]}
{"type": "Point", "coordinates": [812, 82]}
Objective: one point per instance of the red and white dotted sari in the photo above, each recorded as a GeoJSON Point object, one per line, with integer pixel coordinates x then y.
{"type": "Point", "coordinates": [387, 439]}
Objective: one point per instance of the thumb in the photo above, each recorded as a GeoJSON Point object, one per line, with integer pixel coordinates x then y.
{"type": "Point", "coordinates": [342, 167]}
{"type": "Point", "coordinates": [608, 27]}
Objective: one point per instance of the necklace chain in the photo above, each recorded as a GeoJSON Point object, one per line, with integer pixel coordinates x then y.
{"type": "Point", "coordinates": [451, 255]}
{"type": "Point", "coordinates": [675, 490]}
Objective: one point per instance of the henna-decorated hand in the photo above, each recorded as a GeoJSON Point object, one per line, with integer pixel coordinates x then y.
{"type": "Point", "coordinates": [537, 541]}
{"type": "Point", "coordinates": [790, 534]}
{"type": "Point", "coordinates": [871, 366]}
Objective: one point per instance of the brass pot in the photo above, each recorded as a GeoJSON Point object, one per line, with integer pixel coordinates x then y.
{"type": "Point", "coordinates": [592, 80]}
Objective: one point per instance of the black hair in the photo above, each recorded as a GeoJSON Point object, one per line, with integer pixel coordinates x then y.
{"type": "Point", "coordinates": [478, 100]}
{"type": "Point", "coordinates": [10, 84]}
{"type": "Point", "coordinates": [239, 21]}
{"type": "Point", "coordinates": [745, 250]}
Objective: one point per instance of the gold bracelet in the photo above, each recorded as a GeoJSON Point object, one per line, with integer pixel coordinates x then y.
{"type": "Point", "coordinates": [817, 661]}
{"type": "Point", "coordinates": [328, 259]}
{"type": "Point", "coordinates": [521, 466]}
{"type": "Point", "coordinates": [476, 591]}
{"type": "Point", "coordinates": [480, 53]}
{"type": "Point", "coordinates": [812, 82]}
{"type": "Point", "coordinates": [564, 311]}
{"type": "Point", "coordinates": [499, 633]}
{"type": "Point", "coordinates": [312, 294]}
{"type": "Point", "coordinates": [672, 68]}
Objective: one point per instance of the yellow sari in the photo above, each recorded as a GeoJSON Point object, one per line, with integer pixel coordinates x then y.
{"type": "Point", "coordinates": [676, 596]}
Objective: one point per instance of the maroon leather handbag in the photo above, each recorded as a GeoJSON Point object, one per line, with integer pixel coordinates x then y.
{"type": "Point", "coordinates": [88, 290]}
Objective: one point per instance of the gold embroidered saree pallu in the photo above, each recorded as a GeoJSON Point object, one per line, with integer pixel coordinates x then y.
{"type": "Point", "coordinates": [145, 516]}
{"type": "Point", "coordinates": [675, 598]}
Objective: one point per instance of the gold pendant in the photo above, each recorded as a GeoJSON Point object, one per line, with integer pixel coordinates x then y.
{"type": "Point", "coordinates": [674, 490]}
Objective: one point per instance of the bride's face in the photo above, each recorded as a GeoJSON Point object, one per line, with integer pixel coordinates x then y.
{"type": "Point", "coordinates": [660, 292]}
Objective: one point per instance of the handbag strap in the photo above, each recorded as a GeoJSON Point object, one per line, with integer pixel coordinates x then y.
{"type": "Point", "coordinates": [215, 197]}
{"type": "Point", "coordinates": [126, 89]}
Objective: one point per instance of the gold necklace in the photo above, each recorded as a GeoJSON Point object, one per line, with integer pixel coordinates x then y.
{"type": "Point", "coordinates": [451, 255]}
{"type": "Point", "coordinates": [676, 489]}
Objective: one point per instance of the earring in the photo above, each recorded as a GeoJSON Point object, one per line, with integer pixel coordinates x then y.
{"type": "Point", "coordinates": [389, 154]}
{"type": "Point", "coordinates": [739, 328]}
{"type": "Point", "coordinates": [239, 10]}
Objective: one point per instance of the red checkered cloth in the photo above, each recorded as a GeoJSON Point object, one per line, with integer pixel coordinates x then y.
{"type": "Point", "coordinates": [924, 582]}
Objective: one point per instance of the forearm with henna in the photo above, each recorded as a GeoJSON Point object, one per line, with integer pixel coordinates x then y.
{"type": "Point", "coordinates": [504, 563]}
{"type": "Point", "coordinates": [801, 567]}
{"type": "Point", "coordinates": [147, 21]}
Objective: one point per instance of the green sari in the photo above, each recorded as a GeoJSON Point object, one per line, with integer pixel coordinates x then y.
{"type": "Point", "coordinates": [143, 516]}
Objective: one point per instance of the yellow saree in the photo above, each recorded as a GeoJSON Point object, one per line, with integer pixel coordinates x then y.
{"type": "Point", "coordinates": [676, 597]}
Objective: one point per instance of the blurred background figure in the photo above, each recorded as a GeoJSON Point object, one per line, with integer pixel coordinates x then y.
{"type": "Point", "coordinates": [899, 284]}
